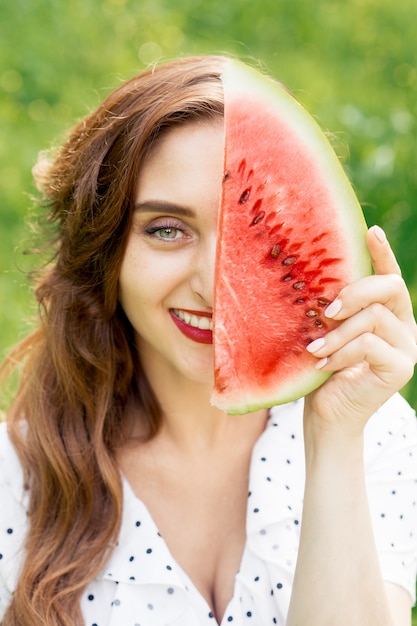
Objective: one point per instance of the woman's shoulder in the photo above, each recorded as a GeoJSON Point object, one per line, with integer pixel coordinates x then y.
{"type": "Point", "coordinates": [390, 438]}
{"type": "Point", "coordinates": [392, 431]}
{"type": "Point", "coordinates": [396, 416]}
{"type": "Point", "coordinates": [11, 472]}
{"type": "Point", "coordinates": [13, 517]}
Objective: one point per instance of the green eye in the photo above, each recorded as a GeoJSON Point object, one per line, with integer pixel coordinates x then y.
{"type": "Point", "coordinates": [167, 233]}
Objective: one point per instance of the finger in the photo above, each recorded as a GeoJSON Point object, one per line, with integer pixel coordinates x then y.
{"type": "Point", "coordinates": [383, 258]}
{"type": "Point", "coordinates": [388, 289]}
{"type": "Point", "coordinates": [375, 319]}
{"type": "Point", "coordinates": [389, 366]}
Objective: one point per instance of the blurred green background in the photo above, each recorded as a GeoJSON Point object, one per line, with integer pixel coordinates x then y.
{"type": "Point", "coordinates": [352, 64]}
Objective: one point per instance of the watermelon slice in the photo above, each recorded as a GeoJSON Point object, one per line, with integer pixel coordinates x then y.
{"type": "Point", "coordinates": [291, 235]}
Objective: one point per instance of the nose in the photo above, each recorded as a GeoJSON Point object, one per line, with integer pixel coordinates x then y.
{"type": "Point", "coordinates": [202, 282]}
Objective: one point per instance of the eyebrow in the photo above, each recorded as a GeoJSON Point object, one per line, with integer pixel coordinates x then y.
{"type": "Point", "coordinates": [159, 206]}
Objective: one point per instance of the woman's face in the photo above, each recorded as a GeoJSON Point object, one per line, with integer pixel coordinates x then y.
{"type": "Point", "coordinates": [167, 275]}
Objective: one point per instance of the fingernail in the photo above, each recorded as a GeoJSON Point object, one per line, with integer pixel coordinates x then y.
{"type": "Point", "coordinates": [321, 363]}
{"type": "Point", "coordinates": [315, 345]}
{"type": "Point", "coordinates": [379, 234]}
{"type": "Point", "coordinates": [333, 309]}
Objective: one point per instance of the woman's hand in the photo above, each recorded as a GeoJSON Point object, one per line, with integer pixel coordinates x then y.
{"type": "Point", "coordinates": [372, 352]}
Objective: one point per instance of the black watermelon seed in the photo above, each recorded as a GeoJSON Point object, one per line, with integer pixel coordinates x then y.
{"type": "Point", "coordinates": [258, 218]}
{"type": "Point", "coordinates": [244, 196]}
{"type": "Point", "coordinates": [275, 251]}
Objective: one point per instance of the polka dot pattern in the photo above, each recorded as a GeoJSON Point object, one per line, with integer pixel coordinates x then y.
{"type": "Point", "coordinates": [142, 585]}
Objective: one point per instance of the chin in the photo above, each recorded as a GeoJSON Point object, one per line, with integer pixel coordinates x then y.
{"type": "Point", "coordinates": [203, 375]}
{"type": "Point", "coordinates": [202, 378]}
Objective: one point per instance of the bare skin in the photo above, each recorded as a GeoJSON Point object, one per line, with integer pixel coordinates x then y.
{"type": "Point", "coordinates": [197, 491]}
{"type": "Point", "coordinates": [193, 475]}
{"type": "Point", "coordinates": [373, 353]}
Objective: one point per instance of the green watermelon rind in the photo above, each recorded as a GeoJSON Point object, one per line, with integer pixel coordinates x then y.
{"type": "Point", "coordinates": [304, 385]}
{"type": "Point", "coordinates": [242, 81]}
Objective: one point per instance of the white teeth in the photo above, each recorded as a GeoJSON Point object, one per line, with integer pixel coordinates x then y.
{"type": "Point", "coordinates": [203, 323]}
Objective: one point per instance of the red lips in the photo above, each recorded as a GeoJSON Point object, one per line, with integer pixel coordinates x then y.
{"type": "Point", "coordinates": [198, 335]}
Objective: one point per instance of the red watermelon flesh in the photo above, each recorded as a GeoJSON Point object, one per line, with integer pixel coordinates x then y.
{"type": "Point", "coordinates": [291, 235]}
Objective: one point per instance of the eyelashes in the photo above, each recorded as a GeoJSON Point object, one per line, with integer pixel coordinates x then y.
{"type": "Point", "coordinates": [168, 230]}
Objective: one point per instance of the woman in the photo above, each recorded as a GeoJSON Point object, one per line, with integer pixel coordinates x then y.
{"type": "Point", "coordinates": [124, 493]}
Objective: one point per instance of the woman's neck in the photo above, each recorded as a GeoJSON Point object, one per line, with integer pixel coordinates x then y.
{"type": "Point", "coordinates": [189, 420]}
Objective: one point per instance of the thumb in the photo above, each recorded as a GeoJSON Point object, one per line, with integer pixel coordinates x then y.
{"type": "Point", "coordinates": [383, 258]}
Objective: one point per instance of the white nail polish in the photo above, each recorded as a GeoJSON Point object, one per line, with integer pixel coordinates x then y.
{"type": "Point", "coordinates": [315, 345]}
{"type": "Point", "coordinates": [321, 363]}
{"type": "Point", "coordinates": [333, 308]}
{"type": "Point", "coordinates": [379, 234]}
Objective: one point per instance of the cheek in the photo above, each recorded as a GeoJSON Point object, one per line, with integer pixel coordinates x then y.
{"type": "Point", "coordinates": [143, 282]}
{"type": "Point", "coordinates": [131, 283]}
{"type": "Point", "coordinates": [149, 279]}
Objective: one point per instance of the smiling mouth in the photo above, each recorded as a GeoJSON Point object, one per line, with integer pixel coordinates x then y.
{"type": "Point", "coordinates": [203, 322]}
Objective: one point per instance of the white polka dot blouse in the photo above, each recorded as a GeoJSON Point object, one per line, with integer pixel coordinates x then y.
{"type": "Point", "coordinates": [142, 585]}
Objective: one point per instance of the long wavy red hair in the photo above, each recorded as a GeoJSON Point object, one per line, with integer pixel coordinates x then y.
{"type": "Point", "coordinates": [81, 375]}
